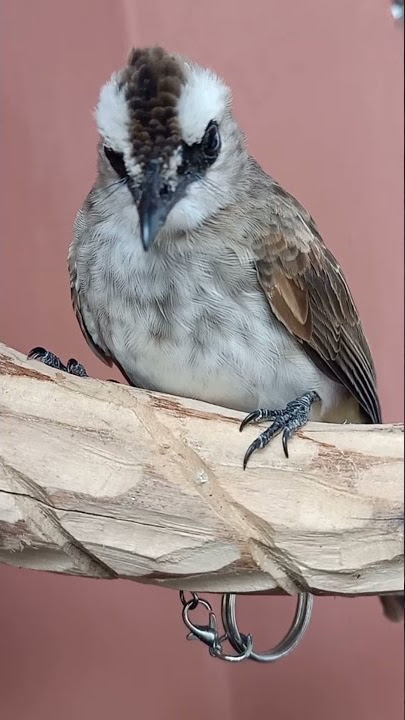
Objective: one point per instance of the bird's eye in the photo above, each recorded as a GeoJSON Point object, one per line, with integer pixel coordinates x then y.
{"type": "Point", "coordinates": [211, 142]}
{"type": "Point", "coordinates": [116, 161]}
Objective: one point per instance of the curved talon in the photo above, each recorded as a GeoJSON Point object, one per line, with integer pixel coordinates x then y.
{"type": "Point", "coordinates": [37, 353]}
{"type": "Point", "coordinates": [252, 417]}
{"type": "Point", "coordinates": [285, 438]}
{"type": "Point", "coordinates": [254, 446]}
{"type": "Point", "coordinates": [264, 439]}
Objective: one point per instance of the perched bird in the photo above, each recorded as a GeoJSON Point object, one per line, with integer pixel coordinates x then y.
{"type": "Point", "coordinates": [198, 275]}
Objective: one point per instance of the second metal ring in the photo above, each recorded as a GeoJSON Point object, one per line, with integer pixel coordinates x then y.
{"type": "Point", "coordinates": [289, 642]}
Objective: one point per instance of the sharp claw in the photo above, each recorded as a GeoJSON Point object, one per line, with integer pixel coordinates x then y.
{"type": "Point", "coordinates": [36, 353]}
{"type": "Point", "coordinates": [254, 446]}
{"type": "Point", "coordinates": [285, 438]}
{"type": "Point", "coordinates": [249, 418]}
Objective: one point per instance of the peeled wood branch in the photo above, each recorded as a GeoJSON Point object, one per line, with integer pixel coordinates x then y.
{"type": "Point", "coordinates": [104, 480]}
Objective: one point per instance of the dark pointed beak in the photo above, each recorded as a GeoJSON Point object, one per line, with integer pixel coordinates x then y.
{"type": "Point", "coordinates": [153, 211]}
{"type": "Point", "coordinates": [154, 200]}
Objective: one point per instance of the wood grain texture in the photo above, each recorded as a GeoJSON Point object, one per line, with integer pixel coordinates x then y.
{"type": "Point", "coordinates": [103, 480]}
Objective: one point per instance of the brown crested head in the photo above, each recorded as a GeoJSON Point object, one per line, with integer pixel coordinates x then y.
{"type": "Point", "coordinates": [161, 121]}
{"type": "Point", "coordinates": [153, 80]}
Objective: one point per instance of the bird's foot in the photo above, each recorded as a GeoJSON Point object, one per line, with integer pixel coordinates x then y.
{"type": "Point", "coordinates": [48, 358]}
{"type": "Point", "coordinates": [287, 421]}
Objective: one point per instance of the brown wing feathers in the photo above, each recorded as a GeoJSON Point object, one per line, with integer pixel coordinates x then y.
{"type": "Point", "coordinates": [309, 295]}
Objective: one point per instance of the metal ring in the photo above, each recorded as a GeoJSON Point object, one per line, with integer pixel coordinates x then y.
{"type": "Point", "coordinates": [244, 655]}
{"type": "Point", "coordinates": [289, 642]}
{"type": "Point", "coordinates": [194, 600]}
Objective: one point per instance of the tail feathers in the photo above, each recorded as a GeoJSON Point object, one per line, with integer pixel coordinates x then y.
{"type": "Point", "coordinates": [393, 607]}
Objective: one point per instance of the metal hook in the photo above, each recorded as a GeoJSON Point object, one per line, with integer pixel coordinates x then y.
{"type": "Point", "coordinates": [290, 641]}
{"type": "Point", "coordinates": [208, 634]}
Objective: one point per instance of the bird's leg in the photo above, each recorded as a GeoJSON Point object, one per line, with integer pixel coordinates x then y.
{"type": "Point", "coordinates": [287, 421]}
{"type": "Point", "coordinates": [48, 358]}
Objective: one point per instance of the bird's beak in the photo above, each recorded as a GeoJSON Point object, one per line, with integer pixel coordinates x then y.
{"type": "Point", "coordinates": [152, 215]}
{"type": "Point", "coordinates": [154, 204]}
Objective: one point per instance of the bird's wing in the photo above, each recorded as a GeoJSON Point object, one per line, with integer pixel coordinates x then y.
{"type": "Point", "coordinates": [102, 353]}
{"type": "Point", "coordinates": [308, 293]}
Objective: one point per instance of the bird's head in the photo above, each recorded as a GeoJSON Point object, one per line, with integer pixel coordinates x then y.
{"type": "Point", "coordinates": [168, 132]}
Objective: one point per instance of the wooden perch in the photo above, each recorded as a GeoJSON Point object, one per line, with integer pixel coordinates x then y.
{"type": "Point", "coordinates": [104, 480]}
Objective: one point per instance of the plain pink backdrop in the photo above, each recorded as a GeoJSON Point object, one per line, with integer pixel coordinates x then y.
{"type": "Point", "coordinates": [318, 89]}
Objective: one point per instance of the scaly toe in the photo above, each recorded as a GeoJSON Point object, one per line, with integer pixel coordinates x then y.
{"type": "Point", "coordinates": [75, 368]}
{"type": "Point", "coordinates": [286, 421]}
{"type": "Point", "coordinates": [47, 357]}
{"type": "Point", "coordinates": [258, 415]}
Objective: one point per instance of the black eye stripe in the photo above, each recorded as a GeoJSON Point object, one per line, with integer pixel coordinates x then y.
{"type": "Point", "coordinates": [196, 158]}
{"type": "Point", "coordinates": [199, 156]}
{"type": "Point", "coordinates": [116, 161]}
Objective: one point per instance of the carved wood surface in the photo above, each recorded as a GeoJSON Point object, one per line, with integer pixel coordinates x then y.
{"type": "Point", "coordinates": [103, 480]}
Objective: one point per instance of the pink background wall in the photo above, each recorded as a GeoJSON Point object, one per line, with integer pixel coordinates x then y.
{"type": "Point", "coordinates": [317, 87]}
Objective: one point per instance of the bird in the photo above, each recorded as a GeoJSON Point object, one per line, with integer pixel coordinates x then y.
{"type": "Point", "coordinates": [196, 274]}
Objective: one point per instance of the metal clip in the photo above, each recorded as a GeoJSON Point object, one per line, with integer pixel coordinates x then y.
{"type": "Point", "coordinates": [208, 634]}
{"type": "Point", "coordinates": [241, 643]}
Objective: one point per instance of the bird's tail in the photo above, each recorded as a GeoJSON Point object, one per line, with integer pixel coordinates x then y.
{"type": "Point", "coordinates": [393, 607]}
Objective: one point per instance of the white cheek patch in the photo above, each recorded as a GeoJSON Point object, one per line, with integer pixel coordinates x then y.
{"type": "Point", "coordinates": [204, 97]}
{"type": "Point", "coordinates": [112, 114]}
